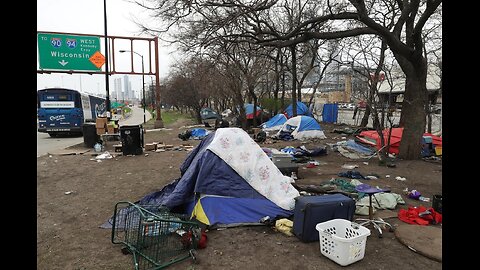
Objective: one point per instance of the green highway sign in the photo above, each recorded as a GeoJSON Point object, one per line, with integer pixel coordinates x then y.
{"type": "Point", "coordinates": [58, 51]}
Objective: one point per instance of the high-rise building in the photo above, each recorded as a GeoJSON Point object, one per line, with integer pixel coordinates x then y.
{"type": "Point", "coordinates": [127, 88]}
{"type": "Point", "coordinates": [117, 92]}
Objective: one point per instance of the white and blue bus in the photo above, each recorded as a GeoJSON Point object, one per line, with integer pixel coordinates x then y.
{"type": "Point", "coordinates": [63, 111]}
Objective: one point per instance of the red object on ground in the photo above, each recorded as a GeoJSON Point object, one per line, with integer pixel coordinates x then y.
{"type": "Point", "coordinates": [418, 215]}
{"type": "Point", "coordinates": [371, 137]}
{"type": "Point", "coordinates": [187, 240]}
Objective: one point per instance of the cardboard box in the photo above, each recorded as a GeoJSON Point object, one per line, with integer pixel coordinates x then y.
{"type": "Point", "coordinates": [110, 130]}
{"type": "Point", "coordinates": [150, 146]}
{"type": "Point", "coordinates": [100, 131]}
{"type": "Point", "coordinates": [101, 122]}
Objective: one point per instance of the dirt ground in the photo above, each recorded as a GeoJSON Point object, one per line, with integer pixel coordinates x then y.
{"type": "Point", "coordinates": [69, 236]}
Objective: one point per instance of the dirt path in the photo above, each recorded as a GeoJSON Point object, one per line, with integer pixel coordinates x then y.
{"type": "Point", "coordinates": [69, 237]}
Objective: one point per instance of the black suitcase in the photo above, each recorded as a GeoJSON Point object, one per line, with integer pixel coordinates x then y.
{"type": "Point", "coordinates": [311, 210]}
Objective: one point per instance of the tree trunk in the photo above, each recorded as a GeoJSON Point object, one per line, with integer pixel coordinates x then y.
{"type": "Point", "coordinates": [413, 109]}
{"type": "Point", "coordinates": [251, 90]}
{"type": "Point", "coordinates": [277, 86]}
{"type": "Point", "coordinates": [294, 81]}
{"type": "Point", "coordinates": [365, 117]}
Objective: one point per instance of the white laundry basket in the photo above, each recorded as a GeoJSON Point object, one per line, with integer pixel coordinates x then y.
{"type": "Point", "coordinates": [342, 241]}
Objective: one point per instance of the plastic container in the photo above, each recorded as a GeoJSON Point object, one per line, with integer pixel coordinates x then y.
{"type": "Point", "coordinates": [90, 136]}
{"type": "Point", "coordinates": [437, 203]}
{"type": "Point", "coordinates": [342, 241]}
{"type": "Point", "coordinates": [132, 139]}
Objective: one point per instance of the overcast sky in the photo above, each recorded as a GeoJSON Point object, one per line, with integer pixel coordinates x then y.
{"type": "Point", "coordinates": [87, 17]}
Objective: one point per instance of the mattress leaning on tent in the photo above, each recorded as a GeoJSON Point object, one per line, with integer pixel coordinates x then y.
{"type": "Point", "coordinates": [227, 180]}
{"type": "Point", "coordinates": [302, 128]}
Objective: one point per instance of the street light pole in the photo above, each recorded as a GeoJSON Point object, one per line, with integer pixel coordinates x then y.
{"type": "Point", "coordinates": [143, 83]}
{"type": "Point", "coordinates": [143, 89]}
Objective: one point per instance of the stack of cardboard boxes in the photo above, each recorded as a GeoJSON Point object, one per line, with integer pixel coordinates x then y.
{"type": "Point", "coordinates": [103, 126]}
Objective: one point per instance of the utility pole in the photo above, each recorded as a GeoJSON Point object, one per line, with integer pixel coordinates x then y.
{"type": "Point", "coordinates": [106, 59]}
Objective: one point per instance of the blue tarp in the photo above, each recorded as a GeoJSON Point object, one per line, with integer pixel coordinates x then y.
{"type": "Point", "coordinates": [199, 133]}
{"type": "Point", "coordinates": [330, 113]}
{"type": "Point", "coordinates": [302, 109]}
{"type": "Point", "coordinates": [277, 120]}
{"type": "Point", "coordinates": [352, 145]}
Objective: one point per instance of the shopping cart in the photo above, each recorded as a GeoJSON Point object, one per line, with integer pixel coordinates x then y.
{"type": "Point", "coordinates": [155, 237]}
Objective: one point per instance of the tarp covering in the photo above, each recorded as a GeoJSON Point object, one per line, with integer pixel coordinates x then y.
{"type": "Point", "coordinates": [302, 109]}
{"type": "Point", "coordinates": [249, 111]}
{"type": "Point", "coordinates": [302, 127]}
{"type": "Point", "coordinates": [330, 113]}
{"type": "Point", "coordinates": [371, 137]}
{"type": "Point", "coordinates": [199, 133]}
{"type": "Point", "coordinates": [228, 210]}
{"type": "Point", "coordinates": [228, 179]}
{"type": "Point", "coordinates": [275, 123]}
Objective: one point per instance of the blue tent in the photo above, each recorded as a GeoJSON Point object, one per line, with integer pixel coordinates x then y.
{"type": "Point", "coordinates": [302, 127]}
{"type": "Point", "coordinates": [249, 110]}
{"type": "Point", "coordinates": [227, 180]}
{"type": "Point", "coordinates": [275, 122]}
{"type": "Point", "coordinates": [302, 109]}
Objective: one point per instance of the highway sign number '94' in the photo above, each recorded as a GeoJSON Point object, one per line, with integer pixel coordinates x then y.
{"type": "Point", "coordinates": [57, 51]}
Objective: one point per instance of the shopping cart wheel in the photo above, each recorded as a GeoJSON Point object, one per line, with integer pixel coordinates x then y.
{"type": "Point", "coordinates": [193, 254]}
{"type": "Point", "coordinates": [126, 250]}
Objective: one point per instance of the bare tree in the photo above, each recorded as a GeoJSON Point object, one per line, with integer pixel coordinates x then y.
{"type": "Point", "coordinates": [398, 23]}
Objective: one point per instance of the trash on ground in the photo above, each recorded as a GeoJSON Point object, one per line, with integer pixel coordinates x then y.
{"type": "Point", "coordinates": [399, 178]}
{"type": "Point", "coordinates": [68, 192]}
{"type": "Point", "coordinates": [349, 167]}
{"type": "Point", "coordinates": [284, 226]}
{"type": "Point", "coordinates": [105, 155]}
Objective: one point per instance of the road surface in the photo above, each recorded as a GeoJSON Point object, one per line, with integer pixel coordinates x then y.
{"type": "Point", "coordinates": [46, 144]}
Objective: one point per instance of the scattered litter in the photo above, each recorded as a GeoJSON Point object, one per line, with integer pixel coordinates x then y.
{"type": "Point", "coordinates": [98, 147]}
{"type": "Point", "coordinates": [366, 163]}
{"type": "Point", "coordinates": [311, 165]}
{"type": "Point", "coordinates": [68, 192]}
{"type": "Point", "coordinates": [146, 155]}
{"type": "Point", "coordinates": [414, 194]}
{"type": "Point", "coordinates": [371, 177]}
{"type": "Point", "coordinates": [349, 167]}
{"type": "Point", "coordinates": [399, 178]}
{"type": "Point", "coordinates": [316, 163]}
{"type": "Point", "coordinates": [391, 165]}
{"type": "Point", "coordinates": [294, 177]}
{"type": "Point", "coordinates": [170, 167]}
{"type": "Point", "coordinates": [129, 173]}
{"type": "Point", "coordinates": [284, 226]}
{"type": "Point", "coordinates": [105, 155]}
{"type": "Point", "coordinates": [387, 176]}
{"type": "Point", "coordinates": [50, 156]}
{"type": "Point", "coordinates": [424, 199]}
{"type": "Point", "coordinates": [160, 150]}
{"type": "Point", "coordinates": [99, 160]}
